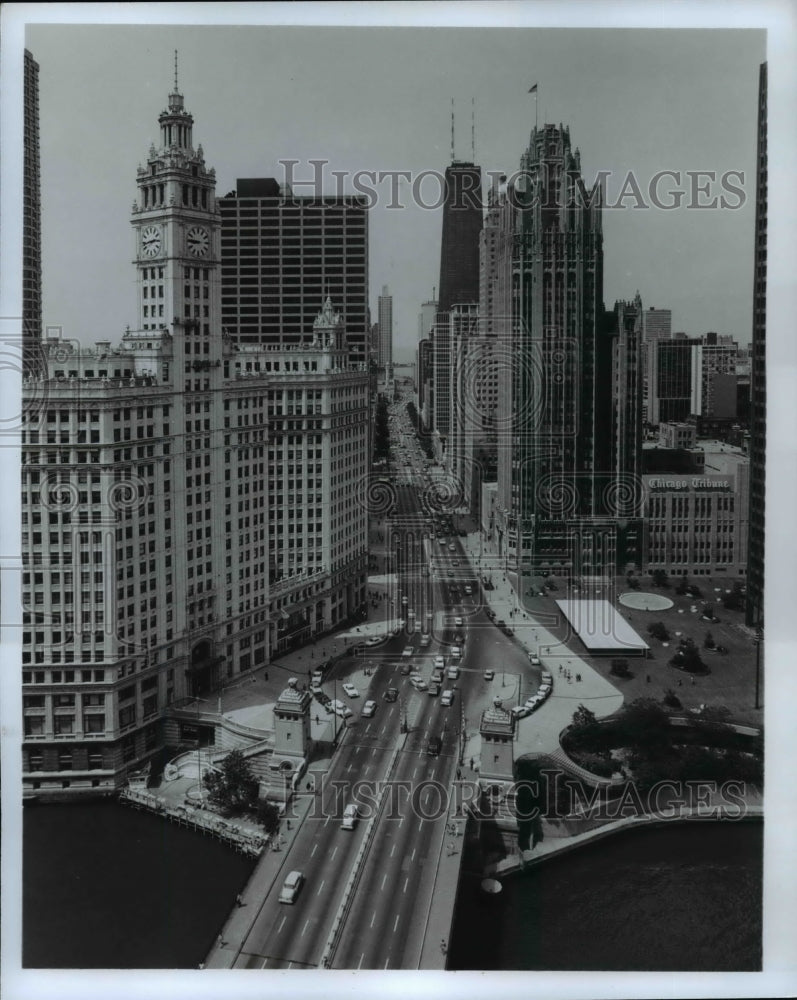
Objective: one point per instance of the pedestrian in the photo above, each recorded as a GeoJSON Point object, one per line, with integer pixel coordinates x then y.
{"type": "Point", "coordinates": [680, 682]}
{"type": "Point", "coordinates": [578, 678]}
{"type": "Point", "coordinates": [471, 763]}
{"type": "Point", "coordinates": [239, 900]}
{"type": "Point", "coordinates": [648, 678]}
{"type": "Point", "coordinates": [693, 680]}
{"type": "Point", "coordinates": [308, 787]}
{"type": "Point", "coordinates": [221, 942]}
{"type": "Point", "coordinates": [265, 675]}
{"type": "Point", "coordinates": [443, 945]}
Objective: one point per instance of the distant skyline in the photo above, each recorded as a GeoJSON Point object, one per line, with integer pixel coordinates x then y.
{"type": "Point", "coordinates": [379, 99]}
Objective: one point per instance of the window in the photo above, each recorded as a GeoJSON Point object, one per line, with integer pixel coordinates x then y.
{"type": "Point", "coordinates": [93, 723]}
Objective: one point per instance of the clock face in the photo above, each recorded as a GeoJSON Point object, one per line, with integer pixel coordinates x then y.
{"type": "Point", "coordinates": [151, 241]}
{"type": "Point", "coordinates": [198, 241]}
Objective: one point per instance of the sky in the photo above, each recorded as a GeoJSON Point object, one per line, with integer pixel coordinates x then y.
{"type": "Point", "coordinates": [374, 98]}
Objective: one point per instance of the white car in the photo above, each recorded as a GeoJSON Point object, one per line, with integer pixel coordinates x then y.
{"type": "Point", "coordinates": [458, 622]}
{"type": "Point", "coordinates": [489, 674]}
{"type": "Point", "coordinates": [535, 660]}
{"type": "Point", "coordinates": [453, 673]}
{"type": "Point", "coordinates": [425, 639]}
{"type": "Point", "coordinates": [340, 709]}
{"type": "Point", "coordinates": [456, 652]}
{"type": "Point", "coordinates": [419, 683]}
{"type": "Point", "coordinates": [351, 690]}
{"type": "Point", "coordinates": [373, 641]}
{"type": "Point", "coordinates": [468, 589]}
{"type": "Point", "coordinates": [368, 709]}
{"type": "Point", "coordinates": [447, 698]}
{"type": "Point", "coordinates": [520, 711]}
{"type": "Point", "coordinates": [408, 651]}
{"type": "Point", "coordinates": [546, 677]}
{"type": "Point", "coordinates": [440, 661]}
{"type": "Point", "coordinates": [290, 887]}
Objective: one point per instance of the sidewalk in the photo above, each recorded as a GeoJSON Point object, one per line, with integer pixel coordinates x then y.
{"type": "Point", "coordinates": [269, 869]}
{"type": "Point", "coordinates": [539, 732]}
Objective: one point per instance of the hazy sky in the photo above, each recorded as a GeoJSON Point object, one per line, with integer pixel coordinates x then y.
{"type": "Point", "coordinates": [379, 99]}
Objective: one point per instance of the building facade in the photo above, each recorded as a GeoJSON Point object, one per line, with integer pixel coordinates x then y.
{"type": "Point", "coordinates": [674, 379]}
{"type": "Point", "coordinates": [385, 337]}
{"type": "Point", "coordinates": [459, 248]}
{"type": "Point", "coordinates": [281, 257]}
{"type": "Point", "coordinates": [31, 221]}
{"type": "Point", "coordinates": [189, 506]}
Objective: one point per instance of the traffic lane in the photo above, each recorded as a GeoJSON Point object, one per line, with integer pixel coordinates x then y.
{"type": "Point", "coordinates": [386, 905]}
{"type": "Point", "coordinates": [324, 854]}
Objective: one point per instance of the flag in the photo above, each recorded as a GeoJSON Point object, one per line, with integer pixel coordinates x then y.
{"type": "Point", "coordinates": [533, 89]}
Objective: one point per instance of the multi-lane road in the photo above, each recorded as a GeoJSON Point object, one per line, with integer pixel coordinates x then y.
{"type": "Point", "coordinates": [384, 919]}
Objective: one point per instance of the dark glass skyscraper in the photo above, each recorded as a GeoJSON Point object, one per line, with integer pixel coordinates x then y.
{"type": "Point", "coordinates": [462, 223]}
{"type": "Point", "coordinates": [758, 385]}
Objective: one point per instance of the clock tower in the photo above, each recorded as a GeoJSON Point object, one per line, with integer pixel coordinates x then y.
{"type": "Point", "coordinates": [177, 226]}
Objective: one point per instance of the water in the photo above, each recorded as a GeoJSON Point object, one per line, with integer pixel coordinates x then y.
{"type": "Point", "coordinates": [105, 886]}
{"type": "Point", "coordinates": [682, 898]}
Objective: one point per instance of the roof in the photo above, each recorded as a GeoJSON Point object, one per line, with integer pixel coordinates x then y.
{"type": "Point", "coordinates": [600, 627]}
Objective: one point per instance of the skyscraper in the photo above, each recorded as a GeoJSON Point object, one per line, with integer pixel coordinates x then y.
{"type": "Point", "coordinates": [758, 386]}
{"type": "Point", "coordinates": [674, 379]}
{"type": "Point", "coordinates": [459, 248]}
{"type": "Point", "coordinates": [556, 400]}
{"type": "Point", "coordinates": [385, 339]}
{"type": "Point", "coordinates": [31, 231]}
{"type": "Point", "coordinates": [282, 255]}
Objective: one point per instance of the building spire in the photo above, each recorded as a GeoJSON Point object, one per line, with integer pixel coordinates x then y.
{"type": "Point", "coordinates": [453, 157]}
{"type": "Point", "coordinates": [473, 129]}
{"type": "Point", "coordinates": [176, 88]}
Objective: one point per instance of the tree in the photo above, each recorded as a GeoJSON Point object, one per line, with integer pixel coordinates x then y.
{"type": "Point", "coordinates": [671, 699]}
{"type": "Point", "coordinates": [583, 717]}
{"type": "Point", "coordinates": [735, 600]}
{"type": "Point", "coordinates": [644, 723]}
{"type": "Point", "coordinates": [708, 642]}
{"type": "Point", "coordinates": [232, 788]}
{"type": "Point", "coordinates": [660, 578]}
{"type": "Point", "coordinates": [620, 668]}
{"type": "Point", "coordinates": [683, 585]}
{"type": "Point", "coordinates": [268, 814]}
{"type": "Point", "coordinates": [659, 631]}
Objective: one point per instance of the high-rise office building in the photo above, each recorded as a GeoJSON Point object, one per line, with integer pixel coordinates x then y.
{"type": "Point", "coordinates": [674, 379]}
{"type": "Point", "coordinates": [656, 325]}
{"type": "Point", "coordinates": [426, 318]}
{"type": "Point", "coordinates": [385, 339]}
{"type": "Point", "coordinates": [31, 223]}
{"type": "Point", "coordinates": [282, 255]}
{"type": "Point", "coordinates": [557, 404]}
{"type": "Point", "coordinates": [189, 505]}
{"type": "Point", "coordinates": [459, 248]}
{"type": "Point", "coordinates": [754, 611]}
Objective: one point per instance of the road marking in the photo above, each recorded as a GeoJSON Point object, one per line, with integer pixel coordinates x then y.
{"type": "Point", "coordinates": [349, 768]}
{"type": "Point", "coordinates": [395, 925]}
{"type": "Point", "coordinates": [392, 850]}
{"type": "Point", "coordinates": [384, 879]}
{"type": "Point", "coordinates": [265, 963]}
{"type": "Point", "coordinates": [315, 848]}
{"type": "Point", "coordinates": [373, 918]}
{"type": "Point", "coordinates": [373, 751]}
{"type": "Point", "coordinates": [290, 965]}
{"type": "Point", "coordinates": [360, 963]}
{"type": "Point", "coordinates": [320, 888]}
{"type": "Point", "coordinates": [415, 771]}
{"type": "Point", "coordinates": [420, 824]}
{"type": "Point", "coordinates": [406, 880]}
{"type": "Point", "coordinates": [282, 922]}
{"type": "Point", "coordinates": [387, 962]}
{"type": "Point", "coordinates": [332, 855]}
{"type": "Point", "coordinates": [366, 769]}
{"type": "Point", "coordinates": [401, 821]}
{"type": "Point", "coordinates": [327, 820]}
{"type": "Point", "coordinates": [413, 855]}
{"type": "Point", "coordinates": [382, 730]}
{"type": "Point", "coordinates": [305, 926]}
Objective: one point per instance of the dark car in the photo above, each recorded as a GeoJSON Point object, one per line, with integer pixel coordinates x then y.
{"type": "Point", "coordinates": [391, 694]}
{"type": "Point", "coordinates": [434, 688]}
{"type": "Point", "coordinates": [433, 746]}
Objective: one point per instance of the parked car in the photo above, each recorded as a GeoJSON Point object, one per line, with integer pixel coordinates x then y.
{"type": "Point", "coordinates": [456, 652]}
{"type": "Point", "coordinates": [340, 709]}
{"type": "Point", "coordinates": [368, 709]}
{"type": "Point", "coordinates": [520, 711]}
{"type": "Point", "coordinates": [291, 887]}
{"type": "Point", "coordinates": [535, 660]}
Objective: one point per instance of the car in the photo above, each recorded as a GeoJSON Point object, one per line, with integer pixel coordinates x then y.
{"type": "Point", "coordinates": [534, 701]}
{"type": "Point", "coordinates": [453, 673]}
{"type": "Point", "coordinates": [437, 676]}
{"type": "Point", "coordinates": [439, 661]}
{"type": "Point", "coordinates": [351, 690]}
{"type": "Point", "coordinates": [500, 623]}
{"type": "Point", "coordinates": [450, 572]}
{"type": "Point", "coordinates": [544, 690]}
{"type": "Point", "coordinates": [373, 641]}
{"type": "Point", "coordinates": [520, 711]}
{"type": "Point", "coordinates": [408, 651]}
{"type": "Point", "coordinates": [391, 694]}
{"type": "Point", "coordinates": [458, 622]}
{"type": "Point", "coordinates": [316, 689]}
{"type": "Point", "coordinates": [318, 676]}
{"type": "Point", "coordinates": [488, 675]}
{"type": "Point", "coordinates": [447, 698]}
{"type": "Point", "coordinates": [535, 661]}
{"type": "Point", "coordinates": [434, 688]}
{"type": "Point", "coordinates": [425, 639]}
{"type": "Point", "coordinates": [546, 677]}
{"type": "Point", "coordinates": [368, 709]}
{"type": "Point", "coordinates": [418, 683]}
{"type": "Point", "coordinates": [404, 600]}
{"type": "Point", "coordinates": [456, 652]}
{"type": "Point", "coordinates": [442, 540]}
{"type": "Point", "coordinates": [434, 746]}
{"type": "Point", "coordinates": [468, 589]}
{"type": "Point", "coordinates": [291, 887]}
{"type": "Point", "coordinates": [340, 709]}
{"type": "Point", "coordinates": [452, 547]}
{"type": "Point", "coordinates": [405, 669]}
{"type": "Point", "coordinates": [410, 613]}
{"type": "Point", "coordinates": [455, 562]}
{"type": "Point", "coordinates": [350, 814]}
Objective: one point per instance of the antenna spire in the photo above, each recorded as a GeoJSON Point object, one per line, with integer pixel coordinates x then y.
{"type": "Point", "coordinates": [453, 156]}
{"type": "Point", "coordinates": [473, 128]}
{"type": "Point", "coordinates": [175, 72]}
